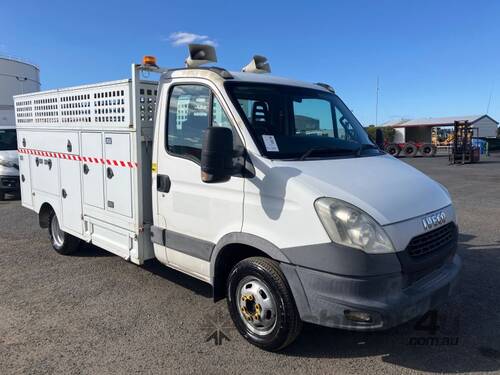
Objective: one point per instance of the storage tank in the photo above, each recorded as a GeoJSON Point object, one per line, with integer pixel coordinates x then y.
{"type": "Point", "coordinates": [16, 77]}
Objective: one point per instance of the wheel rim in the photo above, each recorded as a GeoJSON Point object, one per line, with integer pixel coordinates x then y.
{"type": "Point", "coordinates": [256, 305]}
{"type": "Point", "coordinates": [57, 233]}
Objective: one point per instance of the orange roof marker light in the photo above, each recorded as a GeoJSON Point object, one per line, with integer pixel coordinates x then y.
{"type": "Point", "coordinates": [149, 60]}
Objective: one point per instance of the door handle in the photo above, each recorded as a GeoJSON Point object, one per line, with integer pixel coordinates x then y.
{"type": "Point", "coordinates": [85, 169]}
{"type": "Point", "coordinates": [163, 183]}
{"type": "Point", "coordinates": [109, 173]}
{"type": "Point", "coordinates": [63, 193]}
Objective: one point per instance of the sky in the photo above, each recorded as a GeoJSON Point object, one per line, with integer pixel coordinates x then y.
{"type": "Point", "coordinates": [432, 58]}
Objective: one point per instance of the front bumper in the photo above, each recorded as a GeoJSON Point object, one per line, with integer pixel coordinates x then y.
{"type": "Point", "coordinates": [324, 298]}
{"type": "Point", "coordinates": [9, 184]}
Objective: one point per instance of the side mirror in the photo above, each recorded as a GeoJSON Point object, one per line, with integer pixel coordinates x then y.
{"type": "Point", "coordinates": [217, 155]}
{"type": "Point", "coordinates": [379, 138]}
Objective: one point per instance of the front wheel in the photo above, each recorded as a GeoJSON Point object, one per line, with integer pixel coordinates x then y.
{"type": "Point", "coordinates": [61, 241]}
{"type": "Point", "coordinates": [261, 304]}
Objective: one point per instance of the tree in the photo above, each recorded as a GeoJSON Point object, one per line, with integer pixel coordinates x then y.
{"type": "Point", "coordinates": [387, 130]}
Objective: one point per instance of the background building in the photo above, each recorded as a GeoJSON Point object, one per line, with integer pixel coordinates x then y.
{"type": "Point", "coordinates": [16, 77]}
{"type": "Point", "coordinates": [420, 130]}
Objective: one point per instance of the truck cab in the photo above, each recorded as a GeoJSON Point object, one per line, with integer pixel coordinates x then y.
{"type": "Point", "coordinates": [268, 189]}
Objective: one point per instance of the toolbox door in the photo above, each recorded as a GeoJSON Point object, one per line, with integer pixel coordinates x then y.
{"type": "Point", "coordinates": [25, 180]}
{"type": "Point", "coordinates": [118, 174]}
{"type": "Point", "coordinates": [71, 196]}
{"type": "Point", "coordinates": [92, 170]}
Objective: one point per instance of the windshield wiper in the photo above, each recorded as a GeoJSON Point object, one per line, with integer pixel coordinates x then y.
{"type": "Point", "coordinates": [313, 150]}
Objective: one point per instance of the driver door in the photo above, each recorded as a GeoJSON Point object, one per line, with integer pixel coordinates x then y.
{"type": "Point", "coordinates": [196, 214]}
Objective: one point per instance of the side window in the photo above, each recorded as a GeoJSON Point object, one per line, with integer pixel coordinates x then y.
{"type": "Point", "coordinates": [219, 117]}
{"type": "Point", "coordinates": [189, 115]}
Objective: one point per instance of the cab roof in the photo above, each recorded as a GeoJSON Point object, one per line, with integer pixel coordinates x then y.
{"type": "Point", "coordinates": [217, 74]}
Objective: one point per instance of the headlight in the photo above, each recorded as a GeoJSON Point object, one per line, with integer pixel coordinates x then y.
{"type": "Point", "coordinates": [348, 225]}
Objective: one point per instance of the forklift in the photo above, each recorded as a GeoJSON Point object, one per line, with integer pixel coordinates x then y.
{"type": "Point", "coordinates": [462, 150]}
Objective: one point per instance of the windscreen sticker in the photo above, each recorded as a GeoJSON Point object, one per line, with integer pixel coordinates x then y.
{"type": "Point", "coordinates": [270, 143]}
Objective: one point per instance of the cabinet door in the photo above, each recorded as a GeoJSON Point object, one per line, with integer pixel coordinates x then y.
{"type": "Point", "coordinates": [92, 170]}
{"type": "Point", "coordinates": [71, 195]}
{"type": "Point", "coordinates": [118, 173]}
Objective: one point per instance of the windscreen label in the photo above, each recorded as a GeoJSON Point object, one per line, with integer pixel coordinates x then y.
{"type": "Point", "coordinates": [270, 143]}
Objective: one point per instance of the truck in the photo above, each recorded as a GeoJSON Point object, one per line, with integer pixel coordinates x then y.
{"type": "Point", "coordinates": [9, 167]}
{"type": "Point", "coordinates": [266, 188]}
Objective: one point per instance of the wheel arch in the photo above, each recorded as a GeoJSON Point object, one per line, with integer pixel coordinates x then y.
{"type": "Point", "coordinates": [231, 249]}
{"type": "Point", "coordinates": [44, 213]}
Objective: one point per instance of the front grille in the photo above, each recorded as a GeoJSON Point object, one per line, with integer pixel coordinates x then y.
{"type": "Point", "coordinates": [434, 240]}
{"type": "Point", "coordinates": [10, 182]}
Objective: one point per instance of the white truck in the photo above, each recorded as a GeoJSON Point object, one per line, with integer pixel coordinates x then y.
{"type": "Point", "coordinates": [266, 188]}
{"type": "Point", "coordinates": [9, 166]}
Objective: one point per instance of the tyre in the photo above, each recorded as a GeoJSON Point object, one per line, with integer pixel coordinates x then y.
{"type": "Point", "coordinates": [428, 149]}
{"type": "Point", "coordinates": [393, 149]}
{"type": "Point", "coordinates": [261, 304]}
{"type": "Point", "coordinates": [61, 241]}
{"type": "Point", "coordinates": [2, 196]}
{"type": "Point", "coordinates": [410, 149]}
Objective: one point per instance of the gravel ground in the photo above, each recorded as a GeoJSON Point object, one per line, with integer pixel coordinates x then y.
{"type": "Point", "coordinates": [94, 313]}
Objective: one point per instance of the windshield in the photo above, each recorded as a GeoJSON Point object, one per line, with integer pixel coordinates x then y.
{"type": "Point", "coordinates": [8, 139]}
{"type": "Point", "coordinates": [294, 122]}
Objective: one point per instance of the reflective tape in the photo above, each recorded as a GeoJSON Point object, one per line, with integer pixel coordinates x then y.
{"type": "Point", "coordinates": [86, 159]}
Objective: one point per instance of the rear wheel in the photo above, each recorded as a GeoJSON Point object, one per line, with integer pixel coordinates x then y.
{"type": "Point", "coordinates": [61, 241]}
{"type": "Point", "coordinates": [261, 304]}
{"type": "Point", "coordinates": [2, 196]}
{"type": "Point", "coordinates": [410, 149]}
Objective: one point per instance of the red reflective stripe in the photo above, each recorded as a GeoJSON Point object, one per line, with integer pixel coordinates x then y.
{"type": "Point", "coordinates": [90, 159]}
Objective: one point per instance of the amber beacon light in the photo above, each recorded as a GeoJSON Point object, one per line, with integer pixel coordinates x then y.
{"type": "Point", "coordinates": [149, 60]}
